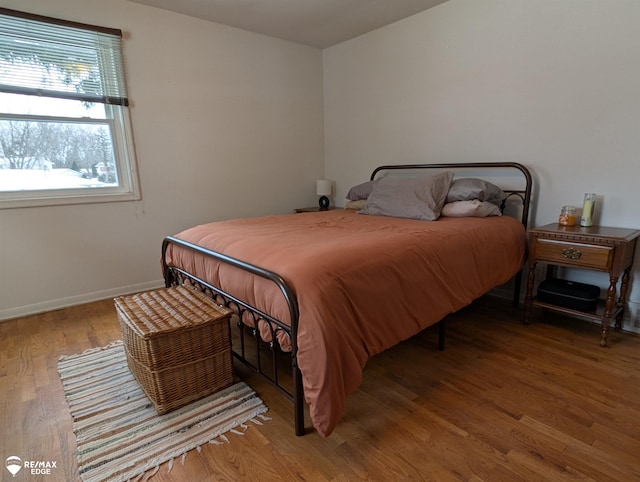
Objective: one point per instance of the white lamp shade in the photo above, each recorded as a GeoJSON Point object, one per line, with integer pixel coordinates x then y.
{"type": "Point", "coordinates": [323, 187]}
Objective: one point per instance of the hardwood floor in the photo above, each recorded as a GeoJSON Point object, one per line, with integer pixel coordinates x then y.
{"type": "Point", "coordinates": [503, 402]}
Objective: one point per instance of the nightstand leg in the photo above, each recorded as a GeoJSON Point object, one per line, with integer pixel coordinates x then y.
{"type": "Point", "coordinates": [608, 310]}
{"type": "Point", "coordinates": [528, 298]}
{"type": "Point", "coordinates": [622, 299]}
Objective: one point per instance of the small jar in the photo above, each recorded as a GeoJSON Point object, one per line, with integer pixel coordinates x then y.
{"type": "Point", "coordinates": [567, 216]}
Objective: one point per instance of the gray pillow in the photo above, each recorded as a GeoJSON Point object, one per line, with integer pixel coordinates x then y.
{"type": "Point", "coordinates": [467, 189]}
{"type": "Point", "coordinates": [361, 191]}
{"type": "Point", "coordinates": [409, 197]}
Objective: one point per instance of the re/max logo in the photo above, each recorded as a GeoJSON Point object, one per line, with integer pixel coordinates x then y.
{"type": "Point", "coordinates": [40, 464]}
{"type": "Point", "coordinates": [15, 464]}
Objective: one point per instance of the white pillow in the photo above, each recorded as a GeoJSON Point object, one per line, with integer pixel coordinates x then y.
{"type": "Point", "coordinates": [357, 205]}
{"type": "Point", "coordinates": [473, 208]}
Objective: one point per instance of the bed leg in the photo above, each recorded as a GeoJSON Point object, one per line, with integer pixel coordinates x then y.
{"type": "Point", "coordinates": [516, 289]}
{"type": "Point", "coordinates": [298, 402]}
{"type": "Point", "coordinates": [441, 333]}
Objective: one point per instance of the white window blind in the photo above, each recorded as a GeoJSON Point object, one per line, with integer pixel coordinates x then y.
{"type": "Point", "coordinates": [60, 60]}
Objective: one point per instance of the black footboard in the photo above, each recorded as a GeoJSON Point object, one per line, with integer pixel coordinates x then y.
{"type": "Point", "coordinates": [250, 355]}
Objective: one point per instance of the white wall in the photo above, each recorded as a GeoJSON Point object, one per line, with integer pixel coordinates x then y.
{"type": "Point", "coordinates": [226, 123]}
{"type": "Point", "coordinates": [218, 112]}
{"type": "Point", "coordinates": [550, 84]}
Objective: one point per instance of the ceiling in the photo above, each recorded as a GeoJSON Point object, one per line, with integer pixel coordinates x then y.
{"type": "Point", "coordinates": [318, 23]}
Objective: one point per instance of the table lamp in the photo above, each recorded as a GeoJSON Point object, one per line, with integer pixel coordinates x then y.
{"type": "Point", "coordinates": [323, 189]}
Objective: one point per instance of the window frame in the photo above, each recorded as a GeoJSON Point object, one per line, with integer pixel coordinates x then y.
{"type": "Point", "coordinates": [117, 118]}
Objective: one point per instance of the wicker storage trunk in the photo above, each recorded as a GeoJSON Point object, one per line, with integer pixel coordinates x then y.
{"type": "Point", "coordinates": [177, 344]}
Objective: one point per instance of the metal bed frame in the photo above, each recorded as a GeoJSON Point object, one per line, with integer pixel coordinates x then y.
{"type": "Point", "coordinates": [174, 276]}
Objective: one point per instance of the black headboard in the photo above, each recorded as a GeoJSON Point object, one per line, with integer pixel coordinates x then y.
{"type": "Point", "coordinates": [523, 194]}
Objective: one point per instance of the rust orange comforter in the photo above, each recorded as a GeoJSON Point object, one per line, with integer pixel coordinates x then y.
{"type": "Point", "coordinates": [363, 283]}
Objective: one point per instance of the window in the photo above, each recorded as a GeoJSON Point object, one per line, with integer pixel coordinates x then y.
{"type": "Point", "coordinates": [65, 134]}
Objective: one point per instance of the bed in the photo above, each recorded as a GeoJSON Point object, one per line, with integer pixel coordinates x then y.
{"type": "Point", "coordinates": [326, 291]}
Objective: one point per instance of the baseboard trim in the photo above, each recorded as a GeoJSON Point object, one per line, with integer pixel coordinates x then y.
{"type": "Point", "coordinates": [59, 303]}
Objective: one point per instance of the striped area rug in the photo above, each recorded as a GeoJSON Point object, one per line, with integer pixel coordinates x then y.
{"type": "Point", "coordinates": [120, 435]}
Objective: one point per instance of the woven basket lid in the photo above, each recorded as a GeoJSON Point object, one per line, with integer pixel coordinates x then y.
{"type": "Point", "coordinates": [165, 310]}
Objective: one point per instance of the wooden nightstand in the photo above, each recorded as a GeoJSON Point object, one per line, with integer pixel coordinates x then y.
{"type": "Point", "coordinates": [596, 248]}
{"type": "Point", "coordinates": [312, 209]}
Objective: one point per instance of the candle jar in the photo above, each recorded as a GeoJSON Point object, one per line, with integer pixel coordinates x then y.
{"type": "Point", "coordinates": [567, 216]}
{"type": "Point", "coordinates": [586, 219]}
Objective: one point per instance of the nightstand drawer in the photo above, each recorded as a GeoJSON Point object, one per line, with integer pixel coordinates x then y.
{"type": "Point", "coordinates": [583, 255]}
